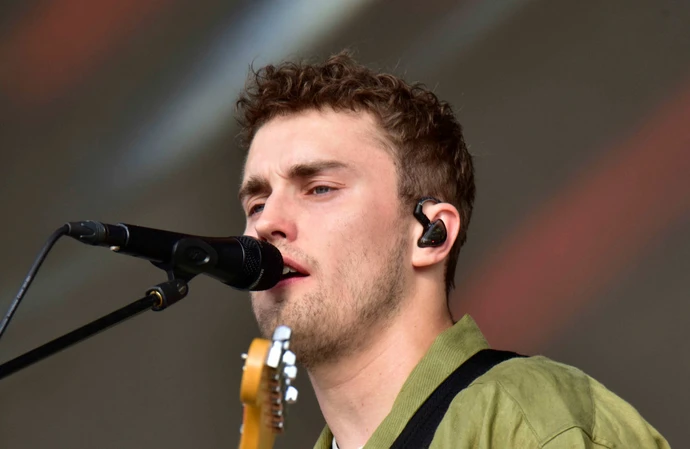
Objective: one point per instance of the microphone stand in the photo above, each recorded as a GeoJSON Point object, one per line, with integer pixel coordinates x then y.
{"type": "Point", "coordinates": [157, 298]}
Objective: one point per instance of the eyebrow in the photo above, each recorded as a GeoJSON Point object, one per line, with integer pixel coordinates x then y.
{"type": "Point", "coordinates": [257, 185]}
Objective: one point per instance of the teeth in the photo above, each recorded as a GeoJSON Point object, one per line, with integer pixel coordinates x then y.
{"type": "Point", "coordinates": [287, 270]}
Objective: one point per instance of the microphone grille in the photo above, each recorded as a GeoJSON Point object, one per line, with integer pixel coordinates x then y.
{"type": "Point", "coordinates": [263, 263]}
{"type": "Point", "coordinates": [251, 266]}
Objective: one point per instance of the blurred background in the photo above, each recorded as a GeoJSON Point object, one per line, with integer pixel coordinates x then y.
{"type": "Point", "coordinates": [578, 113]}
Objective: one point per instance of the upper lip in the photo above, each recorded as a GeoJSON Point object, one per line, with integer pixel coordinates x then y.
{"type": "Point", "coordinates": [294, 265]}
{"type": "Point", "coordinates": [287, 261]}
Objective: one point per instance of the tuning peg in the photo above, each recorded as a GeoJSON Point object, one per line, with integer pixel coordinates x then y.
{"type": "Point", "coordinates": [290, 372]}
{"type": "Point", "coordinates": [244, 356]}
{"type": "Point", "coordinates": [282, 333]}
{"type": "Point", "coordinates": [274, 355]}
{"type": "Point", "coordinates": [291, 395]}
{"type": "Point", "coordinates": [289, 358]}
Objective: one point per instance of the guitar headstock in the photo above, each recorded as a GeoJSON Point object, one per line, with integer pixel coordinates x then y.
{"type": "Point", "coordinates": [266, 388]}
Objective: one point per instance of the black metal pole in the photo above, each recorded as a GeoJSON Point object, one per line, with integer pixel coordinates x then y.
{"type": "Point", "coordinates": [78, 335]}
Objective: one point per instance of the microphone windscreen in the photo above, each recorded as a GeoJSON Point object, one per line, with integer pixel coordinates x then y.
{"type": "Point", "coordinates": [262, 260]}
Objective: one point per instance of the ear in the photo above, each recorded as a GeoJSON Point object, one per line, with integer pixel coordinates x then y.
{"type": "Point", "coordinates": [428, 256]}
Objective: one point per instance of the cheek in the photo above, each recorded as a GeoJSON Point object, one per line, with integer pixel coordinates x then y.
{"type": "Point", "coordinates": [249, 229]}
{"type": "Point", "coordinates": [358, 238]}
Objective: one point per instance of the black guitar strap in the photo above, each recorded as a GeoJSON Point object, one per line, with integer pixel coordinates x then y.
{"type": "Point", "coordinates": [421, 428]}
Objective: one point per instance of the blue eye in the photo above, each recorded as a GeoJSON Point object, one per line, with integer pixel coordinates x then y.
{"type": "Point", "coordinates": [254, 209]}
{"type": "Point", "coordinates": [320, 190]}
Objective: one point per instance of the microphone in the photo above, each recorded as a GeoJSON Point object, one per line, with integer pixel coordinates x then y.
{"type": "Point", "coordinates": [243, 262]}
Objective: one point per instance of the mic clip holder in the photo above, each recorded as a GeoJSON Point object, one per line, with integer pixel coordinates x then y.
{"type": "Point", "coordinates": [189, 253]}
{"type": "Point", "coordinates": [157, 298]}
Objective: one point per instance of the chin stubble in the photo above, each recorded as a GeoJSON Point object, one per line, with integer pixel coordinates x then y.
{"type": "Point", "coordinates": [339, 328]}
{"type": "Point", "coordinates": [325, 326]}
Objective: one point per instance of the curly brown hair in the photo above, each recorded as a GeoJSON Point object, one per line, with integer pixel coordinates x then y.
{"type": "Point", "coordinates": [423, 133]}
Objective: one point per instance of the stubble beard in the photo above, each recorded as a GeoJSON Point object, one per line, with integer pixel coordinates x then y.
{"type": "Point", "coordinates": [327, 327]}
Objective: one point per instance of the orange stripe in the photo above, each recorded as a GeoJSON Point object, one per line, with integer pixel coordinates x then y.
{"type": "Point", "coordinates": [554, 264]}
{"type": "Point", "coordinates": [60, 41]}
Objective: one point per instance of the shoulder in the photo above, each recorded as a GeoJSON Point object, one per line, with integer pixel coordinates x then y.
{"type": "Point", "coordinates": [537, 401]}
{"type": "Point", "coordinates": [552, 397]}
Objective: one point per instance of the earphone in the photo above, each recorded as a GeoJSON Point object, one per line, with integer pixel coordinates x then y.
{"type": "Point", "coordinates": [434, 233]}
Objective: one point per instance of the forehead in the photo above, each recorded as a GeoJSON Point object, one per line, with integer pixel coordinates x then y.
{"type": "Point", "coordinates": [285, 141]}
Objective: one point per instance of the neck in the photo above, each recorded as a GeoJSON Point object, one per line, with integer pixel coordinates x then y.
{"type": "Point", "coordinates": [356, 393]}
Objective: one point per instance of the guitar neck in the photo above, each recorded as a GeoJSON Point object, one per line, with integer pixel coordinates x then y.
{"type": "Point", "coordinates": [269, 370]}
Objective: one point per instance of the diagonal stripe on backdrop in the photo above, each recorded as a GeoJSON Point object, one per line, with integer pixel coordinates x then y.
{"type": "Point", "coordinates": [57, 42]}
{"type": "Point", "coordinates": [552, 265]}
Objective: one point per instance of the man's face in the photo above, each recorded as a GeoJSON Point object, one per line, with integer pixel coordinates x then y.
{"type": "Point", "coordinates": [322, 188]}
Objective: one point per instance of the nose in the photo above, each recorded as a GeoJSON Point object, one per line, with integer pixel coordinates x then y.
{"type": "Point", "coordinates": [275, 223]}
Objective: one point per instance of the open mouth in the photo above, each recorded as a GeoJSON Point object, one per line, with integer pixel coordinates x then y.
{"type": "Point", "coordinates": [289, 273]}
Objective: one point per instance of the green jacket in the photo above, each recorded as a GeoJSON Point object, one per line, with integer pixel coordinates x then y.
{"type": "Point", "coordinates": [522, 403]}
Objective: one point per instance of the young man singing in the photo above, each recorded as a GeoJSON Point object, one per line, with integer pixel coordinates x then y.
{"type": "Point", "coordinates": [366, 186]}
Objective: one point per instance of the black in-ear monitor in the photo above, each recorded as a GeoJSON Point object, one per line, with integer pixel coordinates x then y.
{"type": "Point", "coordinates": [434, 233]}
